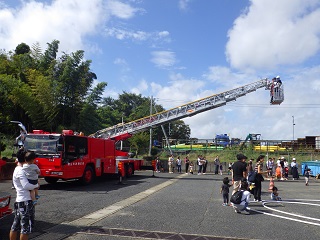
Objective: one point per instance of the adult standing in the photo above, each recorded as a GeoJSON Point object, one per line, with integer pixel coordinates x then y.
{"type": "Point", "coordinates": [158, 164]}
{"type": "Point", "coordinates": [24, 210]}
{"type": "Point", "coordinates": [178, 161]}
{"type": "Point", "coordinates": [170, 163]}
{"type": "Point", "coordinates": [216, 164]}
{"type": "Point", "coordinates": [200, 164]}
{"type": "Point", "coordinates": [205, 164]}
{"type": "Point", "coordinates": [294, 169]}
{"type": "Point", "coordinates": [187, 163]}
{"type": "Point", "coordinates": [259, 178]}
{"type": "Point", "coordinates": [239, 171]}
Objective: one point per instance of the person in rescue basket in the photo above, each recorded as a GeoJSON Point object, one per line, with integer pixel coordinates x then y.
{"type": "Point", "coordinates": [245, 199]}
{"type": "Point", "coordinates": [24, 210]}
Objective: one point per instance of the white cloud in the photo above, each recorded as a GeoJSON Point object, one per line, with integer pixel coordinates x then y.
{"type": "Point", "coordinates": [163, 59]}
{"type": "Point", "coordinates": [68, 21]}
{"type": "Point", "coordinates": [184, 4]}
{"type": "Point", "coordinates": [142, 86]}
{"type": "Point", "coordinates": [178, 91]}
{"type": "Point", "coordinates": [273, 33]}
{"type": "Point", "coordinates": [121, 10]}
{"type": "Point", "coordinates": [123, 64]}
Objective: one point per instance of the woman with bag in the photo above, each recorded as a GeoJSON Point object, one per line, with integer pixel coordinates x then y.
{"type": "Point", "coordinates": [259, 178]}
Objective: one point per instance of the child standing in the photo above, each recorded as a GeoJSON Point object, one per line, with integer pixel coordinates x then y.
{"type": "Point", "coordinates": [275, 195]}
{"type": "Point", "coordinates": [32, 172]}
{"type": "Point", "coordinates": [307, 175]}
{"type": "Point", "coordinates": [225, 191]}
{"type": "Point", "coordinates": [191, 168]}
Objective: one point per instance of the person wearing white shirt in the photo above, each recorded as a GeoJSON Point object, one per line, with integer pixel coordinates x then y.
{"type": "Point", "coordinates": [245, 199]}
{"type": "Point", "coordinates": [24, 211]}
{"type": "Point", "coordinates": [200, 163]}
{"type": "Point", "coordinates": [170, 163]}
{"type": "Point", "coordinates": [294, 169]}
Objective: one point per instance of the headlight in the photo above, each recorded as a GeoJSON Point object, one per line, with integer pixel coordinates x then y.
{"type": "Point", "coordinates": [4, 202]}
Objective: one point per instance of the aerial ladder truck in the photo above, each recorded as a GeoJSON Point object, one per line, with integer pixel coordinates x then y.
{"type": "Point", "coordinates": [68, 155]}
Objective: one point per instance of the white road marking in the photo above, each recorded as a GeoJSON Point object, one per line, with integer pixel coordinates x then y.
{"type": "Point", "coordinates": [94, 217]}
{"type": "Point", "coordinates": [291, 214]}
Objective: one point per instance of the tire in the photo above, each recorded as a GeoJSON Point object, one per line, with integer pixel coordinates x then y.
{"type": "Point", "coordinates": [129, 170]}
{"type": "Point", "coordinates": [51, 180]}
{"type": "Point", "coordinates": [88, 176]}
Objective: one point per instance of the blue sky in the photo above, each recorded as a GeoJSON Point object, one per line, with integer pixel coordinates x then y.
{"type": "Point", "coordinates": [181, 50]}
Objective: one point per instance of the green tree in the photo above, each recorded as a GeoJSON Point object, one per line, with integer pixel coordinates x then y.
{"type": "Point", "coordinates": [22, 48]}
{"type": "Point", "coordinates": [179, 130]}
{"type": "Point", "coordinates": [139, 143]}
{"type": "Point", "coordinates": [74, 80]}
{"type": "Point", "coordinates": [89, 120]}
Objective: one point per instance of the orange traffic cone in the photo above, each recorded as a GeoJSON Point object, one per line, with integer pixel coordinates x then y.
{"type": "Point", "coordinates": [271, 185]}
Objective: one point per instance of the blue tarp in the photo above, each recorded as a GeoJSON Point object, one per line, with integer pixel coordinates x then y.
{"type": "Point", "coordinates": [314, 166]}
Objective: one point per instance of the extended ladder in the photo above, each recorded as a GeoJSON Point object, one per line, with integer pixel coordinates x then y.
{"type": "Point", "coordinates": [186, 110]}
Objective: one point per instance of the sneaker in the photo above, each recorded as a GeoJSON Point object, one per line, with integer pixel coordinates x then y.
{"type": "Point", "coordinates": [37, 197]}
{"type": "Point", "coordinates": [255, 200]}
{"type": "Point", "coordinates": [35, 202]}
{"type": "Point", "coordinates": [246, 212]}
{"type": "Point", "coordinates": [237, 211]}
{"type": "Point", "coordinates": [223, 204]}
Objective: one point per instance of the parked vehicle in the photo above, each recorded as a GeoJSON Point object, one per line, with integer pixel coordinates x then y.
{"type": "Point", "coordinates": [69, 156]}
{"type": "Point", "coordinates": [222, 140]}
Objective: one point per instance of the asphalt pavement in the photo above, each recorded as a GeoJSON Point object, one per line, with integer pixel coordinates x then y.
{"type": "Point", "coordinates": [170, 206]}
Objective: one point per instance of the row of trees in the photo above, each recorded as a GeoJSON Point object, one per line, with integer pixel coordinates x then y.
{"type": "Point", "coordinates": [51, 91]}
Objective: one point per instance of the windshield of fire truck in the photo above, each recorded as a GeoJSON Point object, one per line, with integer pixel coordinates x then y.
{"type": "Point", "coordinates": [42, 143]}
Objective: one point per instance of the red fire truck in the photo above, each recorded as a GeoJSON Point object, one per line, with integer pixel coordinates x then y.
{"type": "Point", "coordinates": [68, 156]}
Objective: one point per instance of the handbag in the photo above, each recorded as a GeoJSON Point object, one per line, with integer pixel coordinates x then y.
{"type": "Point", "coordinates": [259, 177]}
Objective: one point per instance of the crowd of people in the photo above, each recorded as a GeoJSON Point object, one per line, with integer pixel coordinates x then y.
{"type": "Point", "coordinates": [246, 176]}
{"type": "Point", "coordinates": [201, 162]}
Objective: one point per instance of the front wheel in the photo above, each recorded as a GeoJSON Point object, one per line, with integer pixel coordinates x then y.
{"type": "Point", "coordinates": [88, 176]}
{"type": "Point", "coordinates": [51, 180]}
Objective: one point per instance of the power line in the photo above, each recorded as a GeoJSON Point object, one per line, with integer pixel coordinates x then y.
{"type": "Point", "coordinates": [281, 106]}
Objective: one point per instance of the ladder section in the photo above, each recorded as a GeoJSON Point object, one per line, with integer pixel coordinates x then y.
{"type": "Point", "coordinates": [180, 112]}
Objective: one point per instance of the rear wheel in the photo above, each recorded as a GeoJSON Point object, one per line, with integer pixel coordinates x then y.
{"type": "Point", "coordinates": [88, 176]}
{"type": "Point", "coordinates": [129, 170]}
{"type": "Point", "coordinates": [51, 180]}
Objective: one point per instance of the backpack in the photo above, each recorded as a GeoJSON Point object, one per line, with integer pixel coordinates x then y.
{"type": "Point", "coordinates": [236, 197]}
{"type": "Point", "coordinates": [252, 176]}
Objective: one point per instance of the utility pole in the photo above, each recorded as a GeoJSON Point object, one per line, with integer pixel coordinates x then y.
{"type": "Point", "coordinates": [293, 128]}
{"type": "Point", "coordinates": [121, 142]}
{"type": "Point", "coordinates": [150, 143]}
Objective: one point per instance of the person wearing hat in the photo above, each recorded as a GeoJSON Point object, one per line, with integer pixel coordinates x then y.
{"type": "Point", "coordinates": [294, 169]}
{"type": "Point", "coordinates": [239, 171]}
{"type": "Point", "coordinates": [24, 211]}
